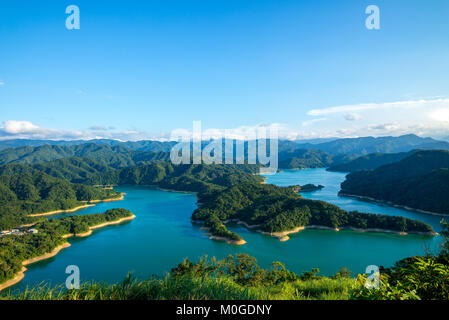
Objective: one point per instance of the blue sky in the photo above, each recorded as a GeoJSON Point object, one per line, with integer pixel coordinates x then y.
{"type": "Point", "coordinates": [140, 69]}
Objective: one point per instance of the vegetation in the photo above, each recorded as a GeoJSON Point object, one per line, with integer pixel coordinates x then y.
{"type": "Point", "coordinates": [80, 224]}
{"type": "Point", "coordinates": [277, 209]}
{"type": "Point", "coordinates": [52, 177]}
{"type": "Point", "coordinates": [237, 277]}
{"type": "Point", "coordinates": [420, 181]}
{"type": "Point", "coordinates": [310, 187]}
{"type": "Point", "coordinates": [36, 192]}
{"type": "Point", "coordinates": [414, 278]}
{"type": "Point", "coordinates": [370, 162]}
{"type": "Point", "coordinates": [304, 158]}
{"type": "Point", "coordinates": [115, 156]}
{"type": "Point", "coordinates": [14, 249]}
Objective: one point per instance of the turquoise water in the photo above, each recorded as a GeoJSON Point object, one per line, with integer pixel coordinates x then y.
{"type": "Point", "coordinates": [162, 235]}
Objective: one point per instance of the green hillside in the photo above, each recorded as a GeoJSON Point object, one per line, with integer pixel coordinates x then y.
{"type": "Point", "coordinates": [277, 209]}
{"type": "Point", "coordinates": [370, 161]}
{"type": "Point", "coordinates": [420, 181]}
{"type": "Point", "coordinates": [37, 192]}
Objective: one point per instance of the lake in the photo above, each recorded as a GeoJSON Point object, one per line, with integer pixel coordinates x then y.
{"type": "Point", "coordinates": [162, 235]}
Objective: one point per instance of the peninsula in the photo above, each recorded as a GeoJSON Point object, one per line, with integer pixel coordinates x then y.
{"type": "Point", "coordinates": [51, 236]}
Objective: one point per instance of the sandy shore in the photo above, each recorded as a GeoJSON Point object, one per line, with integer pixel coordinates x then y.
{"type": "Point", "coordinates": [89, 204]}
{"type": "Point", "coordinates": [51, 254]}
{"type": "Point", "coordinates": [102, 225]}
{"type": "Point", "coordinates": [284, 235]}
{"type": "Point", "coordinates": [239, 242]}
{"type": "Point", "coordinates": [60, 211]}
{"type": "Point", "coordinates": [122, 196]}
{"type": "Point", "coordinates": [112, 222]}
{"type": "Point", "coordinates": [391, 204]}
{"type": "Point", "coordinates": [230, 241]}
{"type": "Point", "coordinates": [19, 276]}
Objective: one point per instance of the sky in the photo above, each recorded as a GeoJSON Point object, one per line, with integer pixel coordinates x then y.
{"type": "Point", "coordinates": [139, 70]}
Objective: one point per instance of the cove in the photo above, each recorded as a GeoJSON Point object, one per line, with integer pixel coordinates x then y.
{"type": "Point", "coordinates": [162, 235]}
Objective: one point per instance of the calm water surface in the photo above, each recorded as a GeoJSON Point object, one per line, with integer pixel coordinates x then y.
{"type": "Point", "coordinates": [162, 235]}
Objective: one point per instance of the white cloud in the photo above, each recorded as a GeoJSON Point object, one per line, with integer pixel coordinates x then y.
{"type": "Point", "coordinates": [425, 117]}
{"type": "Point", "coordinates": [423, 103]}
{"type": "Point", "coordinates": [17, 127]}
{"type": "Point", "coordinates": [310, 122]}
{"type": "Point", "coordinates": [27, 130]}
{"type": "Point", "coordinates": [386, 127]}
{"type": "Point", "coordinates": [440, 115]}
{"type": "Point", "coordinates": [13, 129]}
{"type": "Point", "coordinates": [352, 117]}
{"type": "Point", "coordinates": [2, 83]}
{"type": "Point", "coordinates": [101, 128]}
{"type": "Point", "coordinates": [240, 133]}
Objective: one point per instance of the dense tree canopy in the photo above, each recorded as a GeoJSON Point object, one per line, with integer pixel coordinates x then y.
{"type": "Point", "coordinates": [277, 209]}
{"type": "Point", "coordinates": [420, 181]}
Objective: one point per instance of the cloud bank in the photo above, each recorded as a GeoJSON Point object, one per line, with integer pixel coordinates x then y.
{"type": "Point", "coordinates": [422, 117]}
{"type": "Point", "coordinates": [425, 117]}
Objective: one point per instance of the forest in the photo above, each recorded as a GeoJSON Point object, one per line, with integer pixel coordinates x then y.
{"type": "Point", "coordinates": [14, 249]}
{"type": "Point", "coordinates": [277, 209]}
{"type": "Point", "coordinates": [420, 181]}
{"type": "Point", "coordinates": [240, 277]}
{"type": "Point", "coordinates": [32, 192]}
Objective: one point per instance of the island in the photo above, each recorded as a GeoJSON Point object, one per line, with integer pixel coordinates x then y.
{"type": "Point", "coordinates": [310, 187]}
{"type": "Point", "coordinates": [280, 211]}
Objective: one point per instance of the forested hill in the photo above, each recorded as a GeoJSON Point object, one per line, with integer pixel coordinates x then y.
{"type": "Point", "coordinates": [144, 145]}
{"type": "Point", "coordinates": [276, 209]}
{"type": "Point", "coordinates": [370, 162]}
{"type": "Point", "coordinates": [420, 181]}
{"type": "Point", "coordinates": [36, 192]}
{"type": "Point", "coordinates": [114, 156]}
{"type": "Point", "coordinates": [25, 190]}
{"type": "Point", "coordinates": [310, 158]}
{"type": "Point", "coordinates": [292, 154]}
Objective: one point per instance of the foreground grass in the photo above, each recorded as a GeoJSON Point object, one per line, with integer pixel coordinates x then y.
{"type": "Point", "coordinates": [188, 288]}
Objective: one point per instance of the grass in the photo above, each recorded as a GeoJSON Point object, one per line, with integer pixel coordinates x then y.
{"type": "Point", "coordinates": [191, 288]}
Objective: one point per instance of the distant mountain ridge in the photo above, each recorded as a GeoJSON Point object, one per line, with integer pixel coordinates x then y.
{"type": "Point", "coordinates": [362, 145]}
{"type": "Point", "coordinates": [115, 156]}
{"type": "Point", "coordinates": [367, 145]}
{"type": "Point", "coordinates": [292, 154]}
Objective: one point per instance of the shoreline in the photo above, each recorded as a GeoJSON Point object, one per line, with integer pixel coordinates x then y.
{"type": "Point", "coordinates": [219, 238]}
{"type": "Point", "coordinates": [21, 274]}
{"type": "Point", "coordinates": [391, 204]}
{"type": "Point", "coordinates": [122, 197]}
{"type": "Point", "coordinates": [228, 241]}
{"type": "Point", "coordinates": [90, 204]}
{"type": "Point", "coordinates": [98, 226]}
{"type": "Point", "coordinates": [284, 235]}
